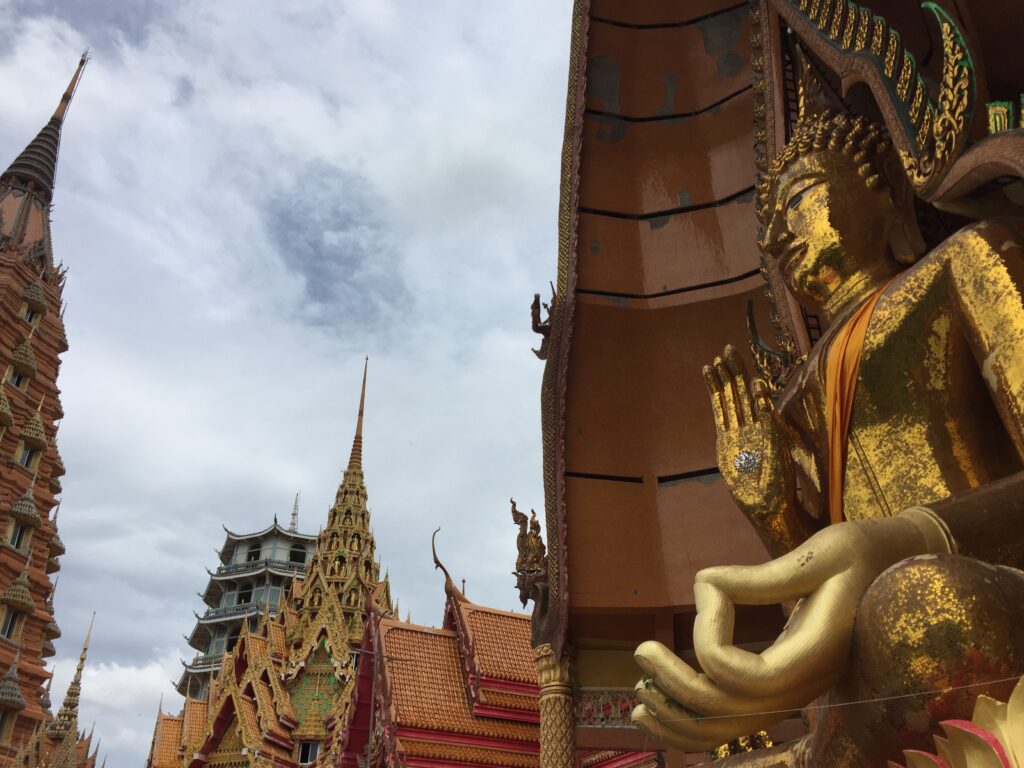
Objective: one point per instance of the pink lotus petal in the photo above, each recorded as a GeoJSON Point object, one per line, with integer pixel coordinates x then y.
{"type": "Point", "coordinates": [977, 747]}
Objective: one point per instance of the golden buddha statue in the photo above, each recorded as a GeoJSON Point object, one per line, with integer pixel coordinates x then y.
{"type": "Point", "coordinates": [882, 480]}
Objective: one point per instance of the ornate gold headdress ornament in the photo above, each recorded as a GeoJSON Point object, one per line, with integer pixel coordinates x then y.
{"type": "Point", "coordinates": [819, 128]}
{"type": "Point", "coordinates": [930, 135]}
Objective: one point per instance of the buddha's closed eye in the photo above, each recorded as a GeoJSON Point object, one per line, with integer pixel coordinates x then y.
{"type": "Point", "coordinates": [795, 200]}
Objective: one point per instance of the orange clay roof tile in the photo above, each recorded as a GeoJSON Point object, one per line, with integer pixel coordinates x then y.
{"type": "Point", "coordinates": [167, 739]}
{"type": "Point", "coordinates": [465, 753]}
{"type": "Point", "coordinates": [510, 700]}
{"type": "Point", "coordinates": [427, 689]}
{"type": "Point", "coordinates": [265, 700]}
{"type": "Point", "coordinates": [247, 717]}
{"type": "Point", "coordinates": [276, 638]}
{"type": "Point", "coordinates": [194, 716]}
{"type": "Point", "coordinates": [502, 643]}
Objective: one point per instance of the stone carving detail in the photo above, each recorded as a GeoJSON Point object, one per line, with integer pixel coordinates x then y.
{"type": "Point", "coordinates": [605, 707]}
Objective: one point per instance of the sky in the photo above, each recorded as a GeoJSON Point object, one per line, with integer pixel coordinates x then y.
{"type": "Point", "coordinates": [251, 197]}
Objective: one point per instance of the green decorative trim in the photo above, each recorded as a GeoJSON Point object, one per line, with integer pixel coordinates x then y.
{"type": "Point", "coordinates": [1000, 116]}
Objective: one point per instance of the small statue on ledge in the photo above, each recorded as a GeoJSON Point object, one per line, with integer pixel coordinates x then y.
{"type": "Point", "coordinates": [531, 561]}
{"type": "Point", "coordinates": [541, 327]}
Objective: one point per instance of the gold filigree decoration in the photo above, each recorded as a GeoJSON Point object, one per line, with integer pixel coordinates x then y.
{"type": "Point", "coordinates": [949, 123]}
{"type": "Point", "coordinates": [934, 134]}
{"type": "Point", "coordinates": [743, 744]}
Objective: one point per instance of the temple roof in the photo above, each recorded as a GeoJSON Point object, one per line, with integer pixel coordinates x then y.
{"type": "Point", "coordinates": [501, 640]}
{"type": "Point", "coordinates": [166, 740]}
{"type": "Point", "coordinates": [424, 672]}
{"type": "Point", "coordinates": [194, 717]}
{"type": "Point", "coordinates": [272, 528]}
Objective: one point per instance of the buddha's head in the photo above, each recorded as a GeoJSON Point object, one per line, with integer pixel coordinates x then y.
{"type": "Point", "coordinates": [837, 209]}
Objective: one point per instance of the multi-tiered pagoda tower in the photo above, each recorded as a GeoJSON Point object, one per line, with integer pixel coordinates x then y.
{"type": "Point", "coordinates": [255, 571]}
{"type": "Point", "coordinates": [32, 339]}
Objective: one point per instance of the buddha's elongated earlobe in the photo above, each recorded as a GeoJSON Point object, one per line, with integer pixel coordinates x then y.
{"type": "Point", "coordinates": [905, 240]}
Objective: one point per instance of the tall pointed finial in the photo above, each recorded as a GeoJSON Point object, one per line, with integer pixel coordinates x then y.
{"type": "Point", "coordinates": [65, 100]}
{"type": "Point", "coordinates": [356, 459]}
{"type": "Point", "coordinates": [88, 636]}
{"type": "Point", "coordinates": [294, 525]}
{"type": "Point", "coordinates": [67, 718]}
{"type": "Point", "coordinates": [36, 166]}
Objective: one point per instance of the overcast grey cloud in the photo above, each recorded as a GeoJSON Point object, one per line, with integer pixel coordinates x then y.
{"type": "Point", "coordinates": [251, 197]}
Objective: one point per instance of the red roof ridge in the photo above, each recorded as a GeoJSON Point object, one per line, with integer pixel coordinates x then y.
{"type": "Point", "coordinates": [470, 607]}
{"type": "Point", "coordinates": [386, 625]}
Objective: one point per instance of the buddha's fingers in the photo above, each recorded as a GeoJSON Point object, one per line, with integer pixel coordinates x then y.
{"type": "Point", "coordinates": [790, 577]}
{"type": "Point", "coordinates": [679, 680]}
{"type": "Point", "coordinates": [643, 719]}
{"type": "Point", "coordinates": [695, 734]}
{"type": "Point", "coordinates": [808, 656]}
{"type": "Point", "coordinates": [728, 392]}
{"type": "Point", "coordinates": [817, 639]}
{"type": "Point", "coordinates": [738, 373]}
{"type": "Point", "coordinates": [676, 680]}
{"type": "Point", "coordinates": [714, 386]}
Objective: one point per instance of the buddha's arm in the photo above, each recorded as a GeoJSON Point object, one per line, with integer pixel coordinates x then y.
{"type": "Point", "coordinates": [986, 269]}
{"type": "Point", "coordinates": [985, 264]}
{"type": "Point", "coordinates": [986, 523]}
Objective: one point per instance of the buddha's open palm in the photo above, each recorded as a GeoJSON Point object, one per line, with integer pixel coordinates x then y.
{"type": "Point", "coordinates": [753, 456]}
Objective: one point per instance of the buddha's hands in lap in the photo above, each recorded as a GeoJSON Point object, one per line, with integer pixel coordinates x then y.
{"type": "Point", "coordinates": [740, 692]}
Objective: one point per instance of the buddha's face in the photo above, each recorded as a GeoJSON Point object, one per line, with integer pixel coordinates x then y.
{"type": "Point", "coordinates": [825, 228]}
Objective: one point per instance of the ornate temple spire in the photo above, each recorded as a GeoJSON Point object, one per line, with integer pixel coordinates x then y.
{"type": "Point", "coordinates": [352, 489]}
{"type": "Point", "coordinates": [36, 166]}
{"type": "Point", "coordinates": [345, 550]}
{"type": "Point", "coordinates": [67, 718]}
{"type": "Point", "coordinates": [294, 524]}
{"type": "Point", "coordinates": [355, 461]}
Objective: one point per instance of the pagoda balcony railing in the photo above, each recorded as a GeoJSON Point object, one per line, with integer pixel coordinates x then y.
{"type": "Point", "coordinates": [205, 663]}
{"type": "Point", "coordinates": [245, 609]}
{"type": "Point", "coordinates": [256, 565]}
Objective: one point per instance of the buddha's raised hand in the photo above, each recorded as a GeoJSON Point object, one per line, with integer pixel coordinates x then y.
{"type": "Point", "coordinates": [753, 455]}
{"type": "Point", "coordinates": [740, 692]}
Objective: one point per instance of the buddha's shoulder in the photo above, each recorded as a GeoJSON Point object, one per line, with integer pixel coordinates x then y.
{"type": "Point", "coordinates": [991, 237]}
{"type": "Point", "coordinates": [977, 246]}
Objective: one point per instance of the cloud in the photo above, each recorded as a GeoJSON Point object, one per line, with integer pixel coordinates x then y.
{"type": "Point", "coordinates": [120, 697]}
{"type": "Point", "coordinates": [250, 198]}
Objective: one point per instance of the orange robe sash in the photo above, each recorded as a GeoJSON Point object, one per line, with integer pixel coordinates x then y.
{"type": "Point", "coordinates": [841, 368]}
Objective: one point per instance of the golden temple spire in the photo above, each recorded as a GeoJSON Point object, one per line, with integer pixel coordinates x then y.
{"type": "Point", "coordinates": [36, 166]}
{"type": "Point", "coordinates": [69, 93]}
{"type": "Point", "coordinates": [355, 461]}
{"type": "Point", "coordinates": [67, 717]}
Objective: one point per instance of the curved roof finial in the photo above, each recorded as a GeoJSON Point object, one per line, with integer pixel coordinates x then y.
{"type": "Point", "coordinates": [449, 586]}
